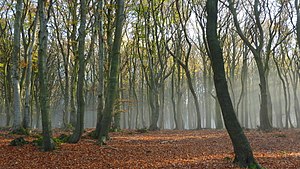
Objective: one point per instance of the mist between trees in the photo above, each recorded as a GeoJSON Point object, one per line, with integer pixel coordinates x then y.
{"type": "Point", "coordinates": [165, 79]}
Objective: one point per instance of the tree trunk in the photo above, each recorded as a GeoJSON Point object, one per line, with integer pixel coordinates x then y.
{"type": "Point", "coordinates": [37, 104]}
{"type": "Point", "coordinates": [155, 107]}
{"type": "Point", "coordinates": [42, 73]}
{"type": "Point", "coordinates": [173, 100]}
{"type": "Point", "coordinates": [27, 107]}
{"type": "Point", "coordinates": [257, 53]}
{"type": "Point", "coordinates": [75, 137]}
{"type": "Point", "coordinates": [242, 149]}
{"type": "Point", "coordinates": [15, 68]}
{"type": "Point", "coordinates": [101, 55]}
{"type": "Point", "coordinates": [7, 84]}
{"type": "Point", "coordinates": [74, 45]}
{"type": "Point", "coordinates": [219, 121]}
{"type": "Point", "coordinates": [113, 76]}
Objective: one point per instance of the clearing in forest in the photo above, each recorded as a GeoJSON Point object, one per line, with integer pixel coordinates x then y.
{"type": "Point", "coordinates": [155, 149]}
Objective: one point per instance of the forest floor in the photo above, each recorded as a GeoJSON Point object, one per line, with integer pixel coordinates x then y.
{"type": "Point", "coordinates": [278, 149]}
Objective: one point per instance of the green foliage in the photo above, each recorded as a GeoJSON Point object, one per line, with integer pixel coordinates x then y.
{"type": "Point", "coordinates": [20, 141]}
{"type": "Point", "coordinates": [255, 166]}
{"type": "Point", "coordinates": [63, 138]}
{"type": "Point", "coordinates": [69, 127]}
{"type": "Point", "coordinates": [21, 131]}
{"type": "Point", "coordinates": [39, 141]}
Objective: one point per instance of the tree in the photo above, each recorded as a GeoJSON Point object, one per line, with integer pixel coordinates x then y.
{"type": "Point", "coordinates": [29, 53]}
{"type": "Point", "coordinates": [81, 75]}
{"type": "Point", "coordinates": [183, 19]}
{"type": "Point", "coordinates": [242, 149]}
{"type": "Point", "coordinates": [154, 58]}
{"type": "Point", "coordinates": [15, 68]}
{"type": "Point", "coordinates": [42, 74]}
{"type": "Point", "coordinates": [261, 43]}
{"type": "Point", "coordinates": [113, 76]}
{"type": "Point", "coordinates": [101, 55]}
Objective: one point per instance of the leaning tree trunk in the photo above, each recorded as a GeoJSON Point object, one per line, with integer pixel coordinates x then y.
{"type": "Point", "coordinates": [42, 69]}
{"type": "Point", "coordinates": [242, 149]}
{"type": "Point", "coordinates": [75, 137]}
{"type": "Point", "coordinates": [113, 76]}
{"type": "Point", "coordinates": [15, 68]}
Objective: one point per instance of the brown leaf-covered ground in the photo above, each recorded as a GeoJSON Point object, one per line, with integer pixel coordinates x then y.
{"type": "Point", "coordinates": [278, 149]}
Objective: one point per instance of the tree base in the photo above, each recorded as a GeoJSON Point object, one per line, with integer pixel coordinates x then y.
{"type": "Point", "coordinates": [153, 128]}
{"type": "Point", "coordinates": [247, 164]}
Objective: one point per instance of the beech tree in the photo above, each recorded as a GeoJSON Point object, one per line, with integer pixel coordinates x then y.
{"type": "Point", "coordinates": [113, 75]}
{"type": "Point", "coordinates": [48, 143]}
{"type": "Point", "coordinates": [17, 126]}
{"type": "Point", "coordinates": [81, 75]}
{"type": "Point", "coordinates": [101, 55]}
{"type": "Point", "coordinates": [242, 149]}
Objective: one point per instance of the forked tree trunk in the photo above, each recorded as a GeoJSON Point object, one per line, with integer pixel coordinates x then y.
{"type": "Point", "coordinates": [27, 107]}
{"type": "Point", "coordinates": [75, 137]}
{"type": "Point", "coordinates": [113, 76]}
{"type": "Point", "coordinates": [261, 66]}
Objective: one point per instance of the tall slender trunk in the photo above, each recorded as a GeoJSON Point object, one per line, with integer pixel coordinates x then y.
{"type": "Point", "coordinates": [7, 83]}
{"type": "Point", "coordinates": [15, 68]}
{"type": "Point", "coordinates": [242, 149]}
{"type": "Point", "coordinates": [43, 81]}
{"type": "Point", "coordinates": [75, 137]}
{"type": "Point", "coordinates": [113, 76]}
{"type": "Point", "coordinates": [27, 107]}
{"type": "Point", "coordinates": [101, 54]}
{"type": "Point", "coordinates": [74, 45]}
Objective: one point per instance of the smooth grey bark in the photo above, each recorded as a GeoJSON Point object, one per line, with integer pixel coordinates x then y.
{"type": "Point", "coordinates": [173, 100]}
{"type": "Point", "coordinates": [74, 45]}
{"type": "Point", "coordinates": [43, 81]}
{"type": "Point", "coordinates": [15, 68]}
{"type": "Point", "coordinates": [242, 149]}
{"type": "Point", "coordinates": [297, 73]}
{"type": "Point", "coordinates": [295, 81]}
{"type": "Point", "coordinates": [243, 98]}
{"type": "Point", "coordinates": [28, 79]}
{"type": "Point", "coordinates": [101, 56]}
{"type": "Point", "coordinates": [75, 137]}
{"type": "Point", "coordinates": [297, 6]}
{"type": "Point", "coordinates": [113, 76]}
{"type": "Point", "coordinates": [218, 119]}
